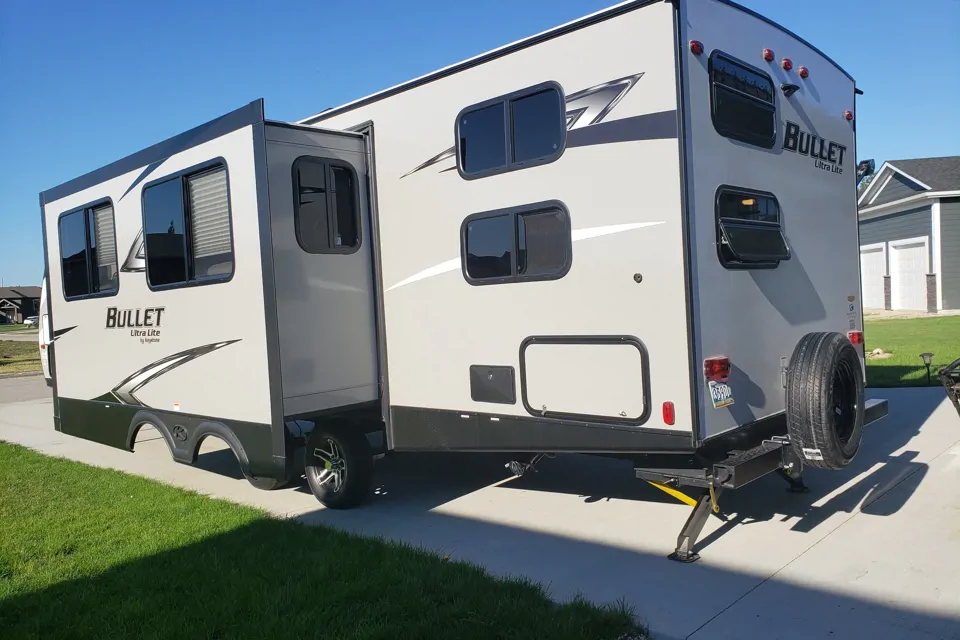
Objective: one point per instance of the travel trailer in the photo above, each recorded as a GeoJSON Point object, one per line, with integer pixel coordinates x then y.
{"type": "Point", "coordinates": [633, 235]}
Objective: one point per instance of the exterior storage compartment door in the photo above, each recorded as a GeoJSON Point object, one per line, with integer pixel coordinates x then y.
{"type": "Point", "coordinates": [591, 378]}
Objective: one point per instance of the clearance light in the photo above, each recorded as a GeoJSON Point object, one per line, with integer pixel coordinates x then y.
{"type": "Point", "coordinates": [856, 337]}
{"type": "Point", "coordinates": [768, 55]}
{"type": "Point", "coordinates": [848, 114]}
{"type": "Point", "coordinates": [717, 369]}
{"type": "Point", "coordinates": [696, 47]}
{"type": "Point", "coordinates": [787, 64]}
{"type": "Point", "coordinates": [669, 415]}
{"type": "Point", "coordinates": [804, 72]}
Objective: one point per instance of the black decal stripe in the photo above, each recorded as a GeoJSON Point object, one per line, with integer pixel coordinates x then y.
{"type": "Point", "coordinates": [124, 393]}
{"type": "Point", "coordinates": [60, 332]}
{"type": "Point", "coordinates": [652, 126]}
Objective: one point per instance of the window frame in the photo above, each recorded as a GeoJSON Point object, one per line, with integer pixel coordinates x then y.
{"type": "Point", "coordinates": [506, 100]}
{"type": "Point", "coordinates": [758, 264]}
{"type": "Point", "coordinates": [514, 213]}
{"type": "Point", "coordinates": [182, 175]}
{"type": "Point", "coordinates": [84, 208]}
{"type": "Point", "coordinates": [295, 185]}
{"type": "Point", "coordinates": [717, 53]}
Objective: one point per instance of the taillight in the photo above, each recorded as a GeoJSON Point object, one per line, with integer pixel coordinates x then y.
{"type": "Point", "coordinates": [669, 415]}
{"type": "Point", "coordinates": [717, 369]}
{"type": "Point", "coordinates": [856, 337]}
{"type": "Point", "coordinates": [768, 55]}
{"type": "Point", "coordinates": [696, 47]}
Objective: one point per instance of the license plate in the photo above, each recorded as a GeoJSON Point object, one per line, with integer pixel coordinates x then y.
{"type": "Point", "coordinates": [721, 394]}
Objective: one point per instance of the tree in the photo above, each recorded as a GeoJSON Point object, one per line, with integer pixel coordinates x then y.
{"type": "Point", "coordinates": [865, 183]}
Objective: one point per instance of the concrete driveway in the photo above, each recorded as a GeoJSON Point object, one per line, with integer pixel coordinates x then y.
{"type": "Point", "coordinates": [871, 552]}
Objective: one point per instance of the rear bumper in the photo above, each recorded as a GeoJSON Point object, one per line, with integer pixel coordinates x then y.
{"type": "Point", "coordinates": [874, 410]}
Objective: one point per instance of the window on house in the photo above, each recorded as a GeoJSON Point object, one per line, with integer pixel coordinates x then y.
{"type": "Point", "coordinates": [88, 252]}
{"type": "Point", "coordinates": [749, 229]}
{"type": "Point", "coordinates": [522, 129]}
{"type": "Point", "coordinates": [186, 227]}
{"type": "Point", "coordinates": [516, 245]}
{"type": "Point", "coordinates": [326, 207]}
{"type": "Point", "coordinates": [743, 103]}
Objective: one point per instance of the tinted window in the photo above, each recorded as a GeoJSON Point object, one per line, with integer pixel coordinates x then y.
{"type": "Point", "coordinates": [522, 129]}
{"type": "Point", "coordinates": [513, 245]}
{"type": "Point", "coordinates": [537, 125]}
{"type": "Point", "coordinates": [73, 254]}
{"type": "Point", "coordinates": [88, 252]}
{"type": "Point", "coordinates": [482, 144]}
{"type": "Point", "coordinates": [326, 212]}
{"type": "Point", "coordinates": [749, 230]}
{"type": "Point", "coordinates": [163, 230]}
{"type": "Point", "coordinates": [489, 247]}
{"type": "Point", "coordinates": [743, 102]}
{"type": "Point", "coordinates": [186, 228]}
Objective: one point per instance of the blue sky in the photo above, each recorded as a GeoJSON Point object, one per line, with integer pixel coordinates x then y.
{"type": "Point", "coordinates": [85, 83]}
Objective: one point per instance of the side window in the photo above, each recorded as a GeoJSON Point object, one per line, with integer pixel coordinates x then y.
{"type": "Point", "coordinates": [186, 227]}
{"type": "Point", "coordinates": [523, 129]}
{"type": "Point", "coordinates": [88, 252]}
{"type": "Point", "coordinates": [326, 205]}
{"type": "Point", "coordinates": [749, 229]}
{"type": "Point", "coordinates": [743, 103]}
{"type": "Point", "coordinates": [516, 245]}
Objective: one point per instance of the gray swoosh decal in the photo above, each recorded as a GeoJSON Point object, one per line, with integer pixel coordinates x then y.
{"type": "Point", "coordinates": [650, 126]}
{"type": "Point", "coordinates": [125, 392]}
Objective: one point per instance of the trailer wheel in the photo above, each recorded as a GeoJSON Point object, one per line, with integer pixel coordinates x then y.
{"type": "Point", "coordinates": [825, 400]}
{"type": "Point", "coordinates": [338, 465]}
{"type": "Point", "coordinates": [266, 484]}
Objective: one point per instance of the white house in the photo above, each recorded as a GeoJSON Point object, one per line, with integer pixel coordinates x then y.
{"type": "Point", "coordinates": [910, 235]}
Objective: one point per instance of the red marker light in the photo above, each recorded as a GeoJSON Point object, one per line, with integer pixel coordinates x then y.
{"type": "Point", "coordinates": [804, 73]}
{"type": "Point", "coordinates": [848, 114]}
{"type": "Point", "coordinates": [696, 47]}
{"type": "Point", "coordinates": [717, 369]}
{"type": "Point", "coordinates": [768, 55]}
{"type": "Point", "coordinates": [787, 64]}
{"type": "Point", "coordinates": [669, 415]}
{"type": "Point", "coordinates": [856, 337]}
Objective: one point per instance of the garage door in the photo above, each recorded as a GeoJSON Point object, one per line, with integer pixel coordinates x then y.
{"type": "Point", "coordinates": [872, 269]}
{"type": "Point", "coordinates": [908, 271]}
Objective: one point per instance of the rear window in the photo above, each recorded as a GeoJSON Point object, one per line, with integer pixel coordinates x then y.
{"type": "Point", "coordinates": [749, 229]}
{"type": "Point", "coordinates": [743, 105]}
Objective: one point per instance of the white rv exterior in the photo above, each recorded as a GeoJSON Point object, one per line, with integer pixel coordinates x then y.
{"type": "Point", "coordinates": [634, 235]}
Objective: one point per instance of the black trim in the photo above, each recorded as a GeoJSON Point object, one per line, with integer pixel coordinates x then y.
{"type": "Point", "coordinates": [242, 117]}
{"type": "Point", "coordinates": [367, 129]}
{"type": "Point", "coordinates": [514, 213]}
{"type": "Point", "coordinates": [535, 40]}
{"type": "Point", "coordinates": [493, 383]}
{"type": "Point", "coordinates": [759, 263]}
{"type": "Point", "coordinates": [596, 340]}
{"type": "Point", "coordinates": [327, 164]}
{"type": "Point", "coordinates": [421, 429]}
{"type": "Point", "coordinates": [183, 175]}
{"type": "Point", "coordinates": [686, 205]}
{"type": "Point", "coordinates": [282, 442]}
{"type": "Point", "coordinates": [739, 135]}
{"type": "Point", "coordinates": [84, 208]}
{"type": "Point", "coordinates": [117, 425]}
{"type": "Point", "coordinates": [58, 332]}
{"type": "Point", "coordinates": [507, 100]}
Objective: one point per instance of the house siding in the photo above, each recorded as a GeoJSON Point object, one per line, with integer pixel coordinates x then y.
{"type": "Point", "coordinates": [950, 252]}
{"type": "Point", "coordinates": [898, 226]}
{"type": "Point", "coordinates": [897, 189]}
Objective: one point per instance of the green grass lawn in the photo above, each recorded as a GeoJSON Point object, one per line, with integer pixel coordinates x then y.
{"type": "Point", "coordinates": [93, 553]}
{"type": "Point", "coordinates": [19, 356]}
{"type": "Point", "coordinates": [6, 328]}
{"type": "Point", "coordinates": [906, 339]}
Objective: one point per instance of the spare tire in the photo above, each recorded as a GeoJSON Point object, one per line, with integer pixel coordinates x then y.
{"type": "Point", "coordinates": [825, 400]}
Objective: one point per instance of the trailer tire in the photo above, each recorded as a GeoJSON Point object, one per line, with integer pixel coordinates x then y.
{"type": "Point", "coordinates": [825, 398]}
{"type": "Point", "coordinates": [266, 484]}
{"type": "Point", "coordinates": [338, 464]}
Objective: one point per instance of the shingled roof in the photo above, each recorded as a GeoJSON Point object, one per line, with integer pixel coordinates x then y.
{"type": "Point", "coordinates": [940, 174]}
{"type": "Point", "coordinates": [12, 293]}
